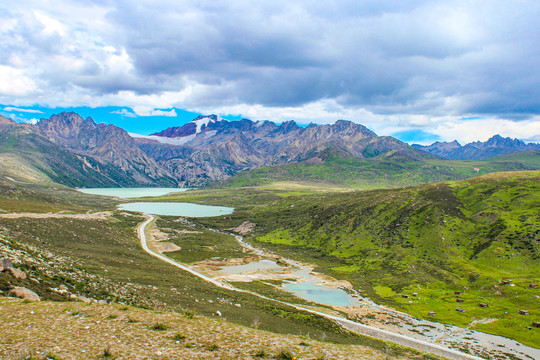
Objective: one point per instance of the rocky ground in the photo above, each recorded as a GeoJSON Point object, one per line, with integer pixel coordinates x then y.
{"type": "Point", "coordinates": [117, 331]}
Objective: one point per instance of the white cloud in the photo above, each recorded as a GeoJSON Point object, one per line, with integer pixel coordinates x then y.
{"type": "Point", "coordinates": [482, 129]}
{"type": "Point", "coordinates": [15, 109]}
{"type": "Point", "coordinates": [125, 113]}
{"type": "Point", "coordinates": [146, 111]}
{"type": "Point", "coordinates": [15, 84]}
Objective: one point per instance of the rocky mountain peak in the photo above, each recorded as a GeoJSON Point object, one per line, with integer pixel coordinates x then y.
{"type": "Point", "coordinates": [498, 140]}
{"type": "Point", "coordinates": [478, 150]}
{"type": "Point", "coordinates": [211, 117]}
{"type": "Point", "coordinates": [351, 128]}
{"type": "Point", "coordinates": [5, 122]}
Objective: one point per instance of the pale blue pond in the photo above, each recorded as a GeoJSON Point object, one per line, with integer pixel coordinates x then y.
{"type": "Point", "coordinates": [263, 264]}
{"type": "Point", "coordinates": [320, 294]}
{"type": "Point", "coordinates": [176, 209]}
{"type": "Point", "coordinates": [127, 193]}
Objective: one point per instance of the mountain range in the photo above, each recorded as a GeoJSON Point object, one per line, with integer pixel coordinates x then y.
{"type": "Point", "coordinates": [478, 150]}
{"type": "Point", "coordinates": [75, 151]}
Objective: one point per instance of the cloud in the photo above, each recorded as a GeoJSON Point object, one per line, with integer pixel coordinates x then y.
{"type": "Point", "coordinates": [32, 121]}
{"type": "Point", "coordinates": [124, 113]}
{"type": "Point", "coordinates": [394, 65]}
{"type": "Point", "coordinates": [145, 111]}
{"type": "Point", "coordinates": [15, 109]}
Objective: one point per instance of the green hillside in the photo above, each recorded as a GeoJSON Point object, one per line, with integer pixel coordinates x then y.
{"type": "Point", "coordinates": [389, 170]}
{"type": "Point", "coordinates": [435, 239]}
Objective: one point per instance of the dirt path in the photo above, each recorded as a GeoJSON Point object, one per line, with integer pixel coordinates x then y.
{"type": "Point", "coordinates": [88, 216]}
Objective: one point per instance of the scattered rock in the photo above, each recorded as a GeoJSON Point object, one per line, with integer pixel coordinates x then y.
{"type": "Point", "coordinates": [460, 300]}
{"type": "Point", "coordinates": [63, 287]}
{"type": "Point", "coordinates": [484, 305]}
{"type": "Point", "coordinates": [533, 286]}
{"type": "Point", "coordinates": [536, 324]}
{"type": "Point", "coordinates": [6, 263]}
{"type": "Point", "coordinates": [218, 313]}
{"type": "Point", "coordinates": [457, 292]}
{"type": "Point", "coordinates": [523, 312]}
{"type": "Point", "coordinates": [24, 293]}
{"type": "Point", "coordinates": [84, 299]}
{"type": "Point", "coordinates": [460, 310]}
{"type": "Point", "coordinates": [102, 301]}
{"type": "Point", "coordinates": [238, 305]}
{"type": "Point", "coordinates": [432, 313]}
{"type": "Point", "coordinates": [19, 274]}
{"type": "Point", "coordinates": [405, 296]}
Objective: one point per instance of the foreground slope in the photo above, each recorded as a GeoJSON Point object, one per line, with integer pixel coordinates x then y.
{"type": "Point", "coordinates": [134, 333]}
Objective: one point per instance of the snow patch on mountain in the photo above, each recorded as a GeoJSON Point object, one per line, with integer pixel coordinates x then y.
{"type": "Point", "coordinates": [165, 140]}
{"type": "Point", "coordinates": [205, 121]}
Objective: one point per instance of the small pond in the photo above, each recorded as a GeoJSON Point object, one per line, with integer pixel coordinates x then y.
{"type": "Point", "coordinates": [135, 192]}
{"type": "Point", "coordinates": [320, 294]}
{"type": "Point", "coordinates": [263, 264]}
{"type": "Point", "coordinates": [176, 209]}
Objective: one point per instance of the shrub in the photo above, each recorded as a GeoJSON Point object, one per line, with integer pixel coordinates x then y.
{"type": "Point", "coordinates": [285, 355]}
{"type": "Point", "coordinates": [159, 327]}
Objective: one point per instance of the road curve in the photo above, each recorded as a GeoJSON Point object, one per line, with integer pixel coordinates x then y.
{"type": "Point", "coordinates": [144, 244]}
{"type": "Point", "coordinates": [348, 324]}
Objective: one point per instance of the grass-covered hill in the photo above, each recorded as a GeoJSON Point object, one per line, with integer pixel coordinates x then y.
{"type": "Point", "coordinates": [434, 240]}
{"type": "Point", "coordinates": [389, 170]}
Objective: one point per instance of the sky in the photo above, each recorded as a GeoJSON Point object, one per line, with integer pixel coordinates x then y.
{"type": "Point", "coordinates": [417, 70]}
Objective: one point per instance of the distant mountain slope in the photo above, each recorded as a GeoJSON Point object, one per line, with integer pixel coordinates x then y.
{"type": "Point", "coordinates": [210, 148]}
{"type": "Point", "coordinates": [497, 145]}
{"type": "Point", "coordinates": [108, 144]}
{"type": "Point", "coordinates": [389, 170]}
{"type": "Point", "coordinates": [27, 156]}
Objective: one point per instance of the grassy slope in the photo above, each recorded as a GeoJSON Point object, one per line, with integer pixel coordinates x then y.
{"type": "Point", "coordinates": [42, 197]}
{"type": "Point", "coordinates": [129, 333]}
{"type": "Point", "coordinates": [389, 170]}
{"type": "Point", "coordinates": [433, 239]}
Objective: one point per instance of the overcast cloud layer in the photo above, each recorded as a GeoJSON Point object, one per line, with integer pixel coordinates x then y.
{"type": "Point", "coordinates": [455, 69]}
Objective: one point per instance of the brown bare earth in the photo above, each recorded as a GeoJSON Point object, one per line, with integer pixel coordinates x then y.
{"type": "Point", "coordinates": [86, 330]}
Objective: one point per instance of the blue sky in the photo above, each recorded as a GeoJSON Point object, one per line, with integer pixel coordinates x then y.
{"type": "Point", "coordinates": [119, 116]}
{"type": "Point", "coordinates": [419, 69]}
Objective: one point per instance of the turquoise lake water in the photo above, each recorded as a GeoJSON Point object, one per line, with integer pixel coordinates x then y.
{"type": "Point", "coordinates": [176, 209]}
{"type": "Point", "coordinates": [320, 294]}
{"type": "Point", "coordinates": [263, 264]}
{"type": "Point", "coordinates": [127, 193]}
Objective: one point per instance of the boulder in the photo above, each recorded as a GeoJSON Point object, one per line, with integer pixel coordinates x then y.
{"type": "Point", "coordinates": [84, 299]}
{"type": "Point", "coordinates": [6, 263]}
{"type": "Point", "coordinates": [19, 274]}
{"type": "Point", "coordinates": [24, 293]}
